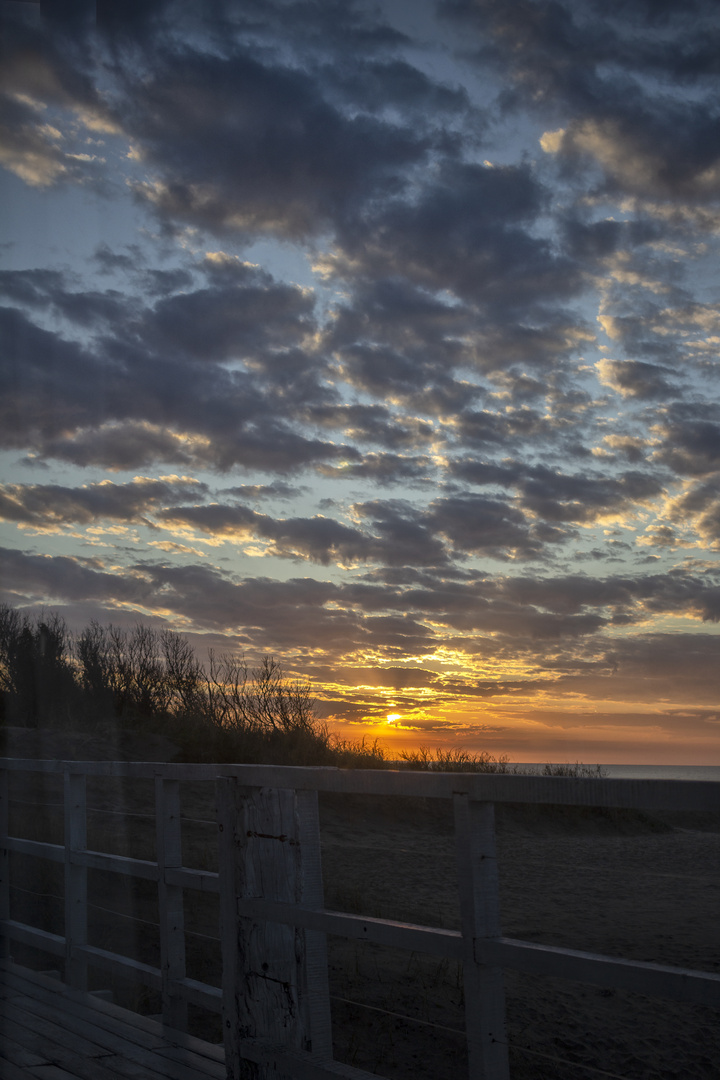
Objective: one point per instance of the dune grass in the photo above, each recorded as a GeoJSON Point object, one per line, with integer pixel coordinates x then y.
{"type": "Point", "coordinates": [457, 759]}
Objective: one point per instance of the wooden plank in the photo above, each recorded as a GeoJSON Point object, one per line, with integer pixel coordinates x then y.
{"type": "Point", "coordinates": [480, 918]}
{"type": "Point", "coordinates": [299, 1065]}
{"type": "Point", "coordinates": [397, 935]}
{"type": "Point", "coordinates": [226, 812]}
{"type": "Point", "coordinates": [170, 902]}
{"type": "Point", "coordinates": [8, 1071]}
{"type": "Point", "coordinates": [317, 989]}
{"type": "Point", "coordinates": [120, 965]}
{"type": "Point", "coordinates": [488, 787]}
{"type": "Point", "coordinates": [80, 1067]}
{"type": "Point", "coordinates": [652, 980]}
{"type": "Point", "coordinates": [203, 880]}
{"type": "Point", "coordinates": [121, 1039]}
{"type": "Point", "coordinates": [76, 934]}
{"type": "Point", "coordinates": [262, 858]}
{"type": "Point", "coordinates": [33, 936]}
{"type": "Point", "coordinates": [267, 998]}
{"type": "Point", "coordinates": [28, 1014]}
{"type": "Point", "coordinates": [36, 848]}
{"type": "Point", "coordinates": [29, 982]}
{"type": "Point", "coordinates": [39, 1050]}
{"type": "Point", "coordinates": [198, 993]}
{"type": "Point", "coordinates": [200, 1062]}
{"type": "Point", "coordinates": [4, 862]}
{"type": "Point", "coordinates": [115, 864]}
{"type": "Point", "coordinates": [19, 1054]}
{"type": "Point", "coordinates": [49, 1072]}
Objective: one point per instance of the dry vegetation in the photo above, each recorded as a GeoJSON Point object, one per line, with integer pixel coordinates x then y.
{"type": "Point", "coordinates": [152, 681]}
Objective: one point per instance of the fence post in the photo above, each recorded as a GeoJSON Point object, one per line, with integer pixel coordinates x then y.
{"type": "Point", "coordinates": [4, 862]}
{"type": "Point", "coordinates": [480, 913]}
{"type": "Point", "coordinates": [273, 995]}
{"type": "Point", "coordinates": [170, 902]}
{"type": "Point", "coordinates": [75, 880]}
{"type": "Point", "coordinates": [316, 957]}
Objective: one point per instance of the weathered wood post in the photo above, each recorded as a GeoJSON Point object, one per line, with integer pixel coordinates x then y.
{"type": "Point", "coordinates": [275, 994]}
{"type": "Point", "coordinates": [4, 862]}
{"type": "Point", "coordinates": [480, 913]}
{"type": "Point", "coordinates": [170, 902]}
{"type": "Point", "coordinates": [75, 880]}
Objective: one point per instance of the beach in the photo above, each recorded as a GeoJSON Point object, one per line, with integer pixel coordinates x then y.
{"type": "Point", "coordinates": [624, 885]}
{"type": "Point", "coordinates": [622, 888]}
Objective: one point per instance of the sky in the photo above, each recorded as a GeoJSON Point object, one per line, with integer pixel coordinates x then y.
{"type": "Point", "coordinates": [381, 338]}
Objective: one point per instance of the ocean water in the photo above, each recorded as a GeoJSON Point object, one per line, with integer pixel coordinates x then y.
{"type": "Point", "coordinates": [663, 772]}
{"type": "Point", "coordinates": [653, 772]}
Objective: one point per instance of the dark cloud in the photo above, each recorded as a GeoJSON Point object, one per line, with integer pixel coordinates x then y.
{"type": "Point", "coordinates": [594, 241]}
{"type": "Point", "coordinates": [397, 84]}
{"type": "Point", "coordinates": [216, 153]}
{"type": "Point", "coordinates": [480, 526]}
{"type": "Point", "coordinates": [634, 378]}
{"type": "Point", "coordinates": [235, 320]}
{"type": "Point", "coordinates": [124, 405]}
{"type": "Point", "coordinates": [691, 442]}
{"type": "Point", "coordinates": [606, 76]}
{"type": "Point", "coordinates": [276, 490]}
{"type": "Point", "coordinates": [50, 504]}
{"type": "Point", "coordinates": [467, 230]}
{"type": "Point", "coordinates": [383, 469]}
{"type": "Point", "coordinates": [557, 497]}
{"type": "Point", "coordinates": [374, 424]}
{"type": "Point", "coordinates": [395, 537]}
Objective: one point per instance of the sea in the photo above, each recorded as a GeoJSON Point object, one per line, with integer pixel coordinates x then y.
{"type": "Point", "coordinates": [649, 772]}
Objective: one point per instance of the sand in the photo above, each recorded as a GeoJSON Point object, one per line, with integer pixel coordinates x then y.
{"type": "Point", "coordinates": [622, 889]}
{"type": "Point", "coordinates": [624, 886]}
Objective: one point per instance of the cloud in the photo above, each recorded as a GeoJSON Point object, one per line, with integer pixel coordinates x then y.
{"type": "Point", "coordinates": [477, 525]}
{"type": "Point", "coordinates": [691, 440]}
{"type": "Point", "coordinates": [47, 505]}
{"type": "Point", "coordinates": [697, 512]}
{"type": "Point", "coordinates": [374, 424]}
{"type": "Point", "coordinates": [466, 230]}
{"type": "Point", "coordinates": [137, 397]}
{"type": "Point", "coordinates": [46, 94]}
{"type": "Point", "coordinates": [383, 469]}
{"type": "Point", "coordinates": [215, 153]}
{"type": "Point", "coordinates": [608, 74]}
{"type": "Point", "coordinates": [238, 318]}
{"type": "Point", "coordinates": [557, 497]}
{"type": "Point", "coordinates": [635, 379]}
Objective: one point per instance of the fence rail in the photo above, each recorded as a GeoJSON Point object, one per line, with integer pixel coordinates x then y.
{"type": "Point", "coordinates": [274, 999]}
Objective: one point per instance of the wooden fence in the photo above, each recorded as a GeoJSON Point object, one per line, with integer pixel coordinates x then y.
{"type": "Point", "coordinates": [274, 1000]}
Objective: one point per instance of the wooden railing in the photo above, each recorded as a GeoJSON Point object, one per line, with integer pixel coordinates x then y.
{"type": "Point", "coordinates": [274, 1000]}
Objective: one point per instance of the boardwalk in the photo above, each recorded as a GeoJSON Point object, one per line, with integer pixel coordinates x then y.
{"type": "Point", "coordinates": [49, 1032]}
{"type": "Point", "coordinates": [269, 918]}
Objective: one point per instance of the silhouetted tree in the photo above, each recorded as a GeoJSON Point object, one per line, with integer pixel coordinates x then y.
{"type": "Point", "coordinates": [36, 673]}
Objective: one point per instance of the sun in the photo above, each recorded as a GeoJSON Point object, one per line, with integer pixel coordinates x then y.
{"type": "Point", "coordinates": [393, 716]}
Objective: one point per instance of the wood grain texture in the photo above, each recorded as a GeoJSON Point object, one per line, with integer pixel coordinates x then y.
{"type": "Point", "coordinates": [481, 787]}
{"type": "Point", "coordinates": [480, 918]}
{"type": "Point", "coordinates": [76, 934]}
{"type": "Point", "coordinates": [170, 902]}
{"type": "Point", "coordinates": [4, 862]}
